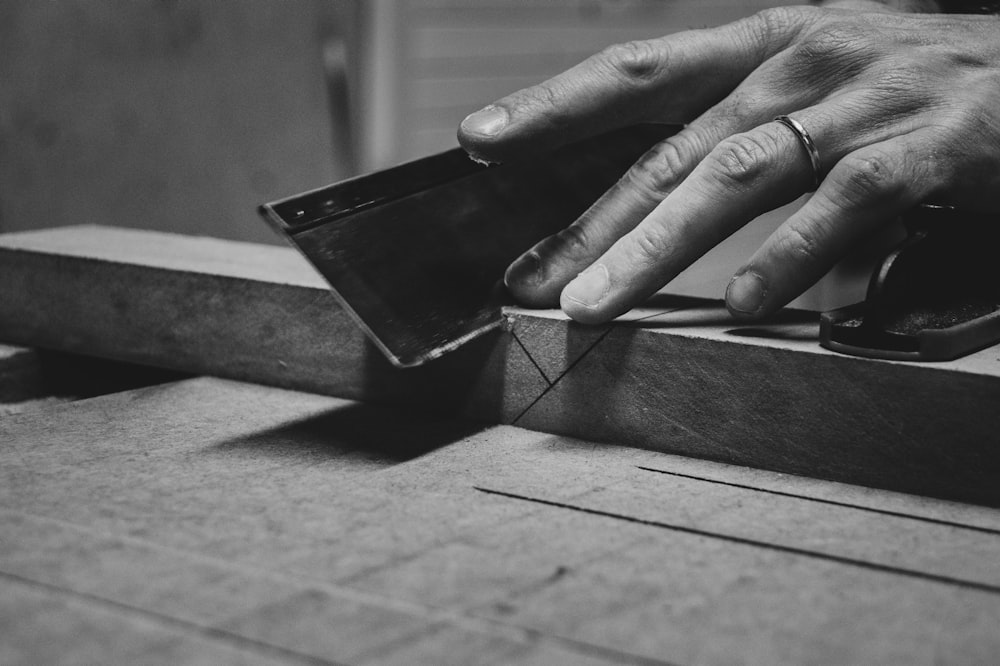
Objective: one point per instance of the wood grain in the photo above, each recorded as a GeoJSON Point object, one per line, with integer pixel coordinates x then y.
{"type": "Point", "coordinates": [230, 309]}
{"type": "Point", "coordinates": [677, 375]}
{"type": "Point", "coordinates": [222, 517]}
{"type": "Point", "coordinates": [688, 379]}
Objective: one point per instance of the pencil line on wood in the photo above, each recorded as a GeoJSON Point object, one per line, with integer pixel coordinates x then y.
{"type": "Point", "coordinates": [819, 500]}
{"type": "Point", "coordinates": [531, 358]}
{"type": "Point", "coordinates": [561, 375]}
{"type": "Point", "coordinates": [849, 561]}
{"type": "Point", "coordinates": [583, 355]}
{"type": "Point", "coordinates": [213, 633]}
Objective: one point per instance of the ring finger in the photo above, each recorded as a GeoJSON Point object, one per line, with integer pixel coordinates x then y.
{"type": "Point", "coordinates": [866, 189]}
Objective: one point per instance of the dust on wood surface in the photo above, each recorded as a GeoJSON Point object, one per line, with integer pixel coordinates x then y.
{"type": "Point", "coordinates": [209, 520]}
{"type": "Point", "coordinates": [677, 375]}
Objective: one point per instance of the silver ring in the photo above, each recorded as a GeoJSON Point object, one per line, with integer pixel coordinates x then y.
{"type": "Point", "coordinates": [803, 136]}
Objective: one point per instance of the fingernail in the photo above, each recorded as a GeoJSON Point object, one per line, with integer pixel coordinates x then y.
{"type": "Point", "coordinates": [590, 287]}
{"type": "Point", "coordinates": [746, 292]}
{"type": "Point", "coordinates": [525, 271]}
{"type": "Point", "coordinates": [486, 122]}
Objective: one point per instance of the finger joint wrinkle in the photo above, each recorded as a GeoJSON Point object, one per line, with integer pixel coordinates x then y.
{"type": "Point", "coordinates": [741, 160]}
{"type": "Point", "coordinates": [637, 61]}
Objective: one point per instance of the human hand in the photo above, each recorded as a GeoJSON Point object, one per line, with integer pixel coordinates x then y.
{"type": "Point", "coordinates": [904, 108]}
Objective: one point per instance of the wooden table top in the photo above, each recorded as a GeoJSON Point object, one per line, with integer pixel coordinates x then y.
{"type": "Point", "coordinates": [212, 521]}
{"type": "Point", "coordinates": [521, 501]}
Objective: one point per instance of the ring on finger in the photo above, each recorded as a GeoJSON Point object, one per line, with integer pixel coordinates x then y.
{"type": "Point", "coordinates": [810, 146]}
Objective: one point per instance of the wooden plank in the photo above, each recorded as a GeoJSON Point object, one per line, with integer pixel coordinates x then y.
{"type": "Point", "coordinates": [677, 375]}
{"type": "Point", "coordinates": [688, 379]}
{"type": "Point", "coordinates": [231, 309]}
{"type": "Point", "coordinates": [350, 533]}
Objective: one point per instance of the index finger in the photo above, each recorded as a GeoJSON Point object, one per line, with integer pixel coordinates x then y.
{"type": "Point", "coordinates": [670, 79]}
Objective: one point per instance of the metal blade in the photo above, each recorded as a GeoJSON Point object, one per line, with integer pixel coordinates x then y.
{"type": "Point", "coordinates": [417, 252]}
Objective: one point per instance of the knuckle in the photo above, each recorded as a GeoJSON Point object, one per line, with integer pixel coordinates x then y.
{"type": "Point", "coordinates": [637, 60]}
{"type": "Point", "coordinates": [774, 24]}
{"type": "Point", "coordinates": [963, 135]}
{"type": "Point", "coordinates": [651, 244]}
{"type": "Point", "coordinates": [572, 240]}
{"type": "Point", "coordinates": [656, 173]}
{"type": "Point", "coordinates": [868, 178]}
{"type": "Point", "coordinates": [741, 160]}
{"type": "Point", "coordinates": [542, 101]}
{"type": "Point", "coordinates": [544, 94]}
{"type": "Point", "coordinates": [773, 29]}
{"type": "Point", "coordinates": [806, 245]}
{"type": "Point", "coordinates": [835, 41]}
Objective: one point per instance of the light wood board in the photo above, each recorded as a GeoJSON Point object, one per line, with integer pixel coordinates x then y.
{"type": "Point", "coordinates": [218, 522]}
{"type": "Point", "coordinates": [677, 375]}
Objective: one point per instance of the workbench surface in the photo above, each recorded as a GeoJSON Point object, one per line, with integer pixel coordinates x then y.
{"type": "Point", "coordinates": [473, 517]}
{"type": "Point", "coordinates": [212, 521]}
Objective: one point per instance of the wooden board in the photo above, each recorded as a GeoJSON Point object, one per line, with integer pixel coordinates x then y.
{"type": "Point", "coordinates": [677, 375]}
{"type": "Point", "coordinates": [695, 382]}
{"type": "Point", "coordinates": [218, 522]}
{"type": "Point", "coordinates": [232, 309]}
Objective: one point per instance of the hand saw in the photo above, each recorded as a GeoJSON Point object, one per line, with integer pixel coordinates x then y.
{"type": "Point", "coordinates": [416, 253]}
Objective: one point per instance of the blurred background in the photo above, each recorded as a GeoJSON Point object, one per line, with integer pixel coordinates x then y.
{"type": "Point", "coordinates": [183, 116]}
